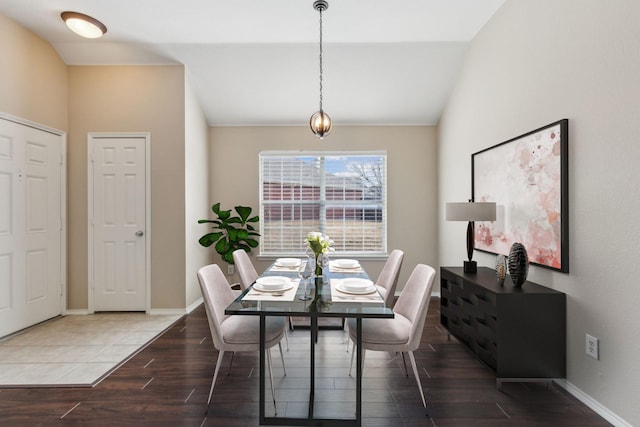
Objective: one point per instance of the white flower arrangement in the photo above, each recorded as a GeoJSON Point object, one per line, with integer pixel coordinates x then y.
{"type": "Point", "coordinates": [319, 243]}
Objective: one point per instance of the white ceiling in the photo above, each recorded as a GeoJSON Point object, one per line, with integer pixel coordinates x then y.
{"type": "Point", "coordinates": [255, 62]}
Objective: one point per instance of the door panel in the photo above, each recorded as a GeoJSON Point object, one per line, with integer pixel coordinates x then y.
{"type": "Point", "coordinates": [30, 226]}
{"type": "Point", "coordinates": [119, 212]}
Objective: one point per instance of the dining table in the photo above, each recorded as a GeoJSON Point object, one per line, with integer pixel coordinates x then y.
{"type": "Point", "coordinates": [332, 299]}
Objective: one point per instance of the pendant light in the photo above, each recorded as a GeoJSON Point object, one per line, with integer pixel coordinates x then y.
{"type": "Point", "coordinates": [84, 25]}
{"type": "Point", "coordinates": [320, 121]}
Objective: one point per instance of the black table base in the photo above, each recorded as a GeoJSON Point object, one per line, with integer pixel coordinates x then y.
{"type": "Point", "coordinates": [311, 420]}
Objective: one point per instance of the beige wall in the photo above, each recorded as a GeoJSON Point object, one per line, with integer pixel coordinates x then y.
{"type": "Point", "coordinates": [534, 63]}
{"type": "Point", "coordinates": [33, 78]}
{"type": "Point", "coordinates": [196, 192]}
{"type": "Point", "coordinates": [131, 99]}
{"type": "Point", "coordinates": [412, 173]}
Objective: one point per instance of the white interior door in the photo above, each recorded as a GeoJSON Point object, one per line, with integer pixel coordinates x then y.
{"type": "Point", "coordinates": [31, 241]}
{"type": "Point", "coordinates": [118, 250]}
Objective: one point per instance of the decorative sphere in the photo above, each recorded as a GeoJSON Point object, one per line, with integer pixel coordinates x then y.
{"type": "Point", "coordinates": [518, 264]}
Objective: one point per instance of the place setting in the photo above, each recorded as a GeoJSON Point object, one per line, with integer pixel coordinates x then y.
{"type": "Point", "coordinates": [289, 265]}
{"type": "Point", "coordinates": [345, 266]}
{"type": "Point", "coordinates": [273, 288]}
{"type": "Point", "coordinates": [354, 290]}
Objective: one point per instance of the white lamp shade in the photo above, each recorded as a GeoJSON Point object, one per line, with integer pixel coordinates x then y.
{"type": "Point", "coordinates": [470, 211]}
{"type": "Point", "coordinates": [84, 25]}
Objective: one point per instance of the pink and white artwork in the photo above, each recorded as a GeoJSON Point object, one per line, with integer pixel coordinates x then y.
{"type": "Point", "coordinates": [526, 177]}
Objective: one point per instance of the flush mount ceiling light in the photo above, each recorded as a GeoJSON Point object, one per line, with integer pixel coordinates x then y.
{"type": "Point", "coordinates": [320, 121]}
{"type": "Point", "coordinates": [84, 25]}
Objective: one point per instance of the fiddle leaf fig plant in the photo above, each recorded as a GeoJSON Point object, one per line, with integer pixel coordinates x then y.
{"type": "Point", "coordinates": [231, 232]}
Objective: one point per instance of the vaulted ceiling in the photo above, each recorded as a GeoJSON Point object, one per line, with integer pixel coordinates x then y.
{"type": "Point", "coordinates": [255, 62]}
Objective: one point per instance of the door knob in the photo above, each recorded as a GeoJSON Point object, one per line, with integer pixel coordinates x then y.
{"type": "Point", "coordinates": [139, 233]}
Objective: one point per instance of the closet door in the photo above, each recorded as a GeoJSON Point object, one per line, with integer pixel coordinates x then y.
{"type": "Point", "coordinates": [30, 226]}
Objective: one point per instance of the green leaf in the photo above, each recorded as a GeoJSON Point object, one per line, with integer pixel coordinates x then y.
{"type": "Point", "coordinates": [222, 247]}
{"type": "Point", "coordinates": [251, 242]}
{"type": "Point", "coordinates": [216, 208]}
{"type": "Point", "coordinates": [244, 247]}
{"type": "Point", "coordinates": [224, 214]}
{"type": "Point", "coordinates": [254, 219]}
{"type": "Point", "coordinates": [202, 221]}
{"type": "Point", "coordinates": [244, 212]}
{"type": "Point", "coordinates": [233, 234]}
{"type": "Point", "coordinates": [209, 239]}
{"type": "Point", "coordinates": [228, 257]}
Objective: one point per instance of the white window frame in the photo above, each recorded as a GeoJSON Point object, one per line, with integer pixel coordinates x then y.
{"type": "Point", "coordinates": [382, 250]}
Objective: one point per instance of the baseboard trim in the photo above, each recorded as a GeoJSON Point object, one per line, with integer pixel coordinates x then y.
{"type": "Point", "coordinates": [195, 305]}
{"type": "Point", "coordinates": [167, 311]}
{"type": "Point", "coordinates": [78, 311]}
{"type": "Point", "coordinates": [593, 404]}
{"type": "Point", "coordinates": [153, 311]}
{"type": "Point", "coordinates": [181, 311]}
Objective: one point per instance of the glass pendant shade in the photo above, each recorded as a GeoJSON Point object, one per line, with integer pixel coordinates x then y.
{"type": "Point", "coordinates": [320, 124]}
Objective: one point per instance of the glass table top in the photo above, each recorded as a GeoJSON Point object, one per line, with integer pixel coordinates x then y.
{"type": "Point", "coordinates": [323, 306]}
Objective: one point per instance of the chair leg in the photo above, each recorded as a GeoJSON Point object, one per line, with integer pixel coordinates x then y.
{"type": "Point", "coordinates": [231, 362]}
{"type": "Point", "coordinates": [415, 372]}
{"type": "Point", "coordinates": [273, 392]}
{"type": "Point", "coordinates": [282, 358]}
{"type": "Point", "coordinates": [346, 330]}
{"type": "Point", "coordinates": [353, 352]}
{"type": "Point", "coordinates": [286, 339]}
{"type": "Point", "coordinates": [215, 375]}
{"type": "Point", "coordinates": [404, 362]}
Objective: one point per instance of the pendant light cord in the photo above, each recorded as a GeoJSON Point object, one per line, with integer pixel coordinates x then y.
{"type": "Point", "coordinates": [320, 9]}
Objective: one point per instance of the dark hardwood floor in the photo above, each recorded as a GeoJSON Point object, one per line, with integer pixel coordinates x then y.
{"type": "Point", "coordinates": [167, 384]}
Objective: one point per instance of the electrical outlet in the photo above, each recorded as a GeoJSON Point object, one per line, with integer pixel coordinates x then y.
{"type": "Point", "coordinates": [592, 347]}
{"type": "Point", "coordinates": [231, 269]}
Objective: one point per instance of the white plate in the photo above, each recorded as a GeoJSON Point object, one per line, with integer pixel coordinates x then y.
{"type": "Point", "coordinates": [346, 263]}
{"type": "Point", "coordinates": [273, 283]}
{"type": "Point", "coordinates": [356, 285]}
{"type": "Point", "coordinates": [288, 262]}
{"type": "Point", "coordinates": [364, 291]}
{"type": "Point", "coordinates": [261, 288]}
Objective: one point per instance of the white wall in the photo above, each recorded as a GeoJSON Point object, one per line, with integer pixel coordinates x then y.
{"type": "Point", "coordinates": [535, 62]}
{"type": "Point", "coordinates": [130, 99]}
{"type": "Point", "coordinates": [196, 190]}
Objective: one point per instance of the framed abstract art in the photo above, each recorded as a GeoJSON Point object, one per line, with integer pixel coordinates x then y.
{"type": "Point", "coordinates": [527, 177]}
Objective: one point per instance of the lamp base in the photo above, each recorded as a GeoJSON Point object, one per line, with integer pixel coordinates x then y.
{"type": "Point", "coordinates": [470, 267]}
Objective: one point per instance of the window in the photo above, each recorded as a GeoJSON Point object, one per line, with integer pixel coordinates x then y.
{"type": "Point", "coordinates": [340, 194]}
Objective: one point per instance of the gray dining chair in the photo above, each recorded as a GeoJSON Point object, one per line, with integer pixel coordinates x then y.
{"type": "Point", "coordinates": [248, 276]}
{"type": "Point", "coordinates": [245, 268]}
{"type": "Point", "coordinates": [235, 332]}
{"type": "Point", "coordinates": [404, 331]}
{"type": "Point", "coordinates": [388, 279]}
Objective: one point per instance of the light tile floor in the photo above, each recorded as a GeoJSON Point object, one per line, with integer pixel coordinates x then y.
{"type": "Point", "coordinates": [76, 350]}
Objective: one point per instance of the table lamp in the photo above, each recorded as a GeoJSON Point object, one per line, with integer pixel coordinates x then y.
{"type": "Point", "coordinates": [481, 211]}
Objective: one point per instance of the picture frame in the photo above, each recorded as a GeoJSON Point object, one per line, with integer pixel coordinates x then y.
{"type": "Point", "coordinates": [527, 177]}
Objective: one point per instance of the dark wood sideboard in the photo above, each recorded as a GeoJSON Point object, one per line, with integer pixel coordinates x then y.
{"type": "Point", "coordinates": [519, 333]}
